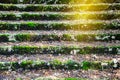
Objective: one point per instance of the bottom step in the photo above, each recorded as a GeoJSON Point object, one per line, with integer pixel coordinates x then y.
{"type": "Point", "coordinates": [83, 74]}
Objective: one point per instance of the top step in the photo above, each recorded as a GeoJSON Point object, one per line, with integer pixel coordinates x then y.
{"type": "Point", "coordinates": [58, 1]}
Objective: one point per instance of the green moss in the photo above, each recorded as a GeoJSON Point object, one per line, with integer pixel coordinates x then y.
{"type": "Point", "coordinates": [66, 37]}
{"type": "Point", "coordinates": [25, 49]}
{"type": "Point", "coordinates": [10, 16]}
{"type": "Point", "coordinates": [31, 24]}
{"type": "Point", "coordinates": [96, 65]}
{"type": "Point", "coordinates": [86, 50]}
{"type": "Point", "coordinates": [85, 37]}
{"type": "Point", "coordinates": [58, 50]}
{"type": "Point", "coordinates": [4, 37]}
{"type": "Point", "coordinates": [62, 8]}
{"type": "Point", "coordinates": [26, 64]}
{"type": "Point", "coordinates": [57, 16]}
{"type": "Point", "coordinates": [70, 64]}
{"type": "Point", "coordinates": [57, 26]}
{"type": "Point", "coordinates": [4, 65]}
{"type": "Point", "coordinates": [55, 64]}
{"type": "Point", "coordinates": [23, 37]}
{"type": "Point", "coordinates": [86, 65]}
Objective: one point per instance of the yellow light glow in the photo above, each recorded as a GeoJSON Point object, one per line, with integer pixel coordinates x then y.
{"type": "Point", "coordinates": [86, 6]}
{"type": "Point", "coordinates": [90, 1]}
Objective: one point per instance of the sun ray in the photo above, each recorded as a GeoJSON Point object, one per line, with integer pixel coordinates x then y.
{"type": "Point", "coordinates": [87, 7]}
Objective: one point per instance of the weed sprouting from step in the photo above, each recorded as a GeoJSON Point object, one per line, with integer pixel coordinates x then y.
{"type": "Point", "coordinates": [31, 24]}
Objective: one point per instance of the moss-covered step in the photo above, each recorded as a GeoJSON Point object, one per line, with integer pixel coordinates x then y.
{"type": "Point", "coordinates": [27, 37]}
{"type": "Point", "coordinates": [61, 57]}
{"type": "Point", "coordinates": [68, 37]}
{"type": "Point", "coordinates": [58, 1]}
{"type": "Point", "coordinates": [8, 50]}
{"type": "Point", "coordinates": [108, 15]}
{"type": "Point", "coordinates": [60, 25]}
{"type": "Point", "coordinates": [59, 8]}
{"type": "Point", "coordinates": [57, 37]}
{"type": "Point", "coordinates": [57, 64]}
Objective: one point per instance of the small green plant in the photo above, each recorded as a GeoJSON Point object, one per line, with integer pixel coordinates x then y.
{"type": "Point", "coordinates": [56, 64]}
{"type": "Point", "coordinates": [31, 24]}
{"type": "Point", "coordinates": [26, 64]}
{"type": "Point", "coordinates": [86, 65]}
